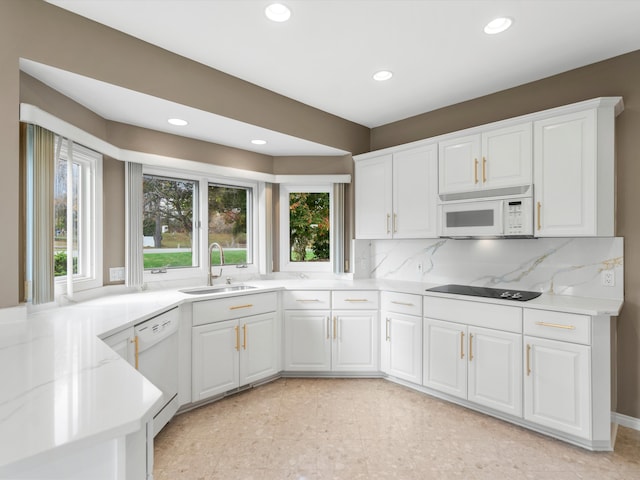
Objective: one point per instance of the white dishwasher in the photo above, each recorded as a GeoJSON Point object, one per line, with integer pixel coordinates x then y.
{"type": "Point", "coordinates": [157, 359]}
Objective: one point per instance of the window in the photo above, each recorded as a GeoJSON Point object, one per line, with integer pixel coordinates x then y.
{"type": "Point", "coordinates": [229, 208]}
{"type": "Point", "coordinates": [168, 227]}
{"type": "Point", "coordinates": [306, 228]}
{"type": "Point", "coordinates": [77, 220]}
{"type": "Point", "coordinates": [184, 212]}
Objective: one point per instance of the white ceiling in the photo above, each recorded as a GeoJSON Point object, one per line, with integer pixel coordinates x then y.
{"type": "Point", "coordinates": [325, 55]}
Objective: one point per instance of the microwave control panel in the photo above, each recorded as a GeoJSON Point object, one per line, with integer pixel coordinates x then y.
{"type": "Point", "coordinates": [518, 217]}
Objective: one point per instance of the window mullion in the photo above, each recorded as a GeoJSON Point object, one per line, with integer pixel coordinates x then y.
{"type": "Point", "coordinates": [69, 219]}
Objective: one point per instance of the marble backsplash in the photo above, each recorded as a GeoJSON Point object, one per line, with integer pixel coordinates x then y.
{"type": "Point", "coordinates": [562, 266]}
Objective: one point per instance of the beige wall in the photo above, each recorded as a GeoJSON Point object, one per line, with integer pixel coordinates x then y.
{"type": "Point", "coordinates": [113, 234]}
{"type": "Point", "coordinates": [616, 76]}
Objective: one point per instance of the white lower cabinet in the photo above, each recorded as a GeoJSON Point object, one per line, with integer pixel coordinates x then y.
{"type": "Point", "coordinates": [401, 329]}
{"type": "Point", "coordinates": [232, 353]}
{"type": "Point", "coordinates": [307, 340]}
{"type": "Point", "coordinates": [495, 370]}
{"type": "Point", "coordinates": [445, 364]}
{"type": "Point", "coordinates": [477, 364]}
{"type": "Point", "coordinates": [344, 340]}
{"type": "Point", "coordinates": [123, 344]}
{"type": "Point", "coordinates": [464, 359]}
{"type": "Point", "coordinates": [557, 386]}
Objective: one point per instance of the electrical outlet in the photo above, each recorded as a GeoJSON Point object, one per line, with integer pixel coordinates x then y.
{"type": "Point", "coordinates": [116, 274]}
{"type": "Point", "coordinates": [608, 278]}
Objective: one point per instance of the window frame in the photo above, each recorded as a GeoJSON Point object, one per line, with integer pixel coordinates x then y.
{"type": "Point", "coordinates": [90, 232]}
{"type": "Point", "coordinates": [251, 225]}
{"type": "Point", "coordinates": [201, 224]}
{"type": "Point", "coordinates": [286, 265]}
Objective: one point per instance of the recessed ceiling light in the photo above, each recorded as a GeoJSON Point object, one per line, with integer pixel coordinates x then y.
{"type": "Point", "coordinates": [277, 12]}
{"type": "Point", "coordinates": [382, 75]}
{"type": "Point", "coordinates": [259, 142]}
{"type": "Point", "coordinates": [178, 122]}
{"type": "Point", "coordinates": [497, 25]}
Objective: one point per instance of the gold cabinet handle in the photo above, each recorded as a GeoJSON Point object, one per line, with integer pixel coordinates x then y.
{"type": "Point", "coordinates": [402, 303]}
{"type": "Point", "coordinates": [237, 307]}
{"type": "Point", "coordinates": [328, 325]}
{"type": "Point", "coordinates": [307, 300]}
{"type": "Point", "coordinates": [470, 346]}
{"type": "Point", "coordinates": [244, 336]}
{"type": "Point", "coordinates": [388, 332]}
{"type": "Point", "coordinates": [484, 170]}
{"type": "Point", "coordinates": [136, 343]}
{"type": "Point", "coordinates": [556, 325]}
{"type": "Point", "coordinates": [356, 300]}
{"type": "Point", "coordinates": [237, 329]}
{"type": "Point", "coordinates": [335, 328]}
{"type": "Point", "coordinates": [461, 345]}
{"type": "Point", "coordinates": [528, 359]}
{"type": "Point", "coordinates": [475, 170]}
{"type": "Point", "coordinates": [388, 218]}
{"type": "Point", "coordinates": [395, 223]}
{"type": "Point", "coordinates": [539, 223]}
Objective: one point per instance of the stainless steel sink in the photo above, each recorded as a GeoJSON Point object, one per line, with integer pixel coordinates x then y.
{"type": "Point", "coordinates": [216, 289]}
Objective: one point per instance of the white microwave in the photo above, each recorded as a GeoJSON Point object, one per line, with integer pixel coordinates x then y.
{"type": "Point", "coordinates": [503, 218]}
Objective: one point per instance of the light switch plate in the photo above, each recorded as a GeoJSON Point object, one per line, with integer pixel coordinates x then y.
{"type": "Point", "coordinates": [116, 274]}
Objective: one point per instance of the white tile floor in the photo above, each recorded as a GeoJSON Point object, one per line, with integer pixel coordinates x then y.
{"type": "Point", "coordinates": [368, 429]}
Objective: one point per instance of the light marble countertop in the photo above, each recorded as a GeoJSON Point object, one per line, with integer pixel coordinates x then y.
{"type": "Point", "coordinates": [62, 387]}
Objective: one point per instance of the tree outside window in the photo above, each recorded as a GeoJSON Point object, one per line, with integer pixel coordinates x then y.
{"type": "Point", "coordinates": [309, 227]}
{"type": "Point", "coordinates": [168, 228]}
{"type": "Point", "coordinates": [228, 213]}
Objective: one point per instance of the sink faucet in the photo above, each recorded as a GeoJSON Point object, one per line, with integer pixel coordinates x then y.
{"type": "Point", "coordinates": [211, 247]}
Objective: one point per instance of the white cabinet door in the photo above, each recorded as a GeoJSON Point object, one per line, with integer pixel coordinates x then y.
{"type": "Point", "coordinates": [565, 175]}
{"type": "Point", "coordinates": [373, 197]}
{"type": "Point", "coordinates": [557, 387]}
{"type": "Point", "coordinates": [307, 337]}
{"type": "Point", "coordinates": [215, 360]}
{"type": "Point", "coordinates": [259, 348]}
{"type": "Point", "coordinates": [122, 343]}
{"type": "Point", "coordinates": [495, 370]}
{"type": "Point", "coordinates": [459, 164]}
{"type": "Point", "coordinates": [507, 157]}
{"type": "Point", "coordinates": [445, 357]}
{"type": "Point", "coordinates": [415, 191]}
{"type": "Point", "coordinates": [355, 341]}
{"type": "Point", "coordinates": [402, 346]}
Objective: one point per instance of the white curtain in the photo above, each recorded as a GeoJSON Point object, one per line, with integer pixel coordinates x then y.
{"type": "Point", "coordinates": [39, 203]}
{"type": "Point", "coordinates": [133, 207]}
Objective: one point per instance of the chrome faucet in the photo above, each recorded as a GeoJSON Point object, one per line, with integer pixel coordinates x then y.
{"type": "Point", "coordinates": [211, 247]}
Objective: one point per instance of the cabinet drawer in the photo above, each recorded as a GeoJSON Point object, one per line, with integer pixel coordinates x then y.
{"type": "Point", "coordinates": [210, 311]}
{"type": "Point", "coordinates": [567, 327]}
{"type": "Point", "coordinates": [307, 300]}
{"type": "Point", "coordinates": [401, 303]}
{"type": "Point", "coordinates": [497, 317]}
{"type": "Point", "coordinates": [355, 299]}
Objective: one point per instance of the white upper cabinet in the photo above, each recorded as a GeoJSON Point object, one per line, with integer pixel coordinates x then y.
{"type": "Point", "coordinates": [415, 174]}
{"type": "Point", "coordinates": [507, 157]}
{"type": "Point", "coordinates": [574, 180]}
{"type": "Point", "coordinates": [494, 159]}
{"type": "Point", "coordinates": [374, 197]}
{"type": "Point", "coordinates": [458, 164]}
{"type": "Point", "coordinates": [396, 194]}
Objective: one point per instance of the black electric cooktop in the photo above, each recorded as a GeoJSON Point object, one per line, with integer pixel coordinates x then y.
{"type": "Point", "coordinates": [499, 293]}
